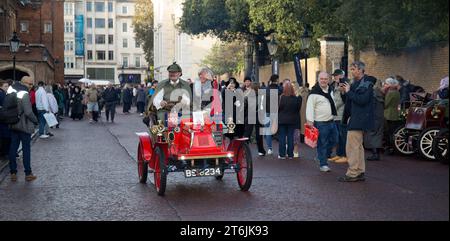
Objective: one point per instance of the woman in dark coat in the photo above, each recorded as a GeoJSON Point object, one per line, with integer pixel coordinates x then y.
{"type": "Point", "coordinates": [373, 140]}
{"type": "Point", "coordinates": [238, 107]}
{"type": "Point", "coordinates": [127, 99]}
{"type": "Point", "coordinates": [76, 104]}
{"type": "Point", "coordinates": [288, 120]}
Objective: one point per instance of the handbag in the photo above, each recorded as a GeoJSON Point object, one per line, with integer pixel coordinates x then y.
{"type": "Point", "coordinates": [50, 118]}
{"type": "Point", "coordinates": [311, 136]}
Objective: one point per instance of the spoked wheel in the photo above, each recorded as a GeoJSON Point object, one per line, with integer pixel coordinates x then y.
{"type": "Point", "coordinates": [440, 146]}
{"type": "Point", "coordinates": [401, 142]}
{"type": "Point", "coordinates": [142, 165]}
{"type": "Point", "coordinates": [160, 175]}
{"type": "Point", "coordinates": [426, 142]}
{"type": "Point", "coordinates": [245, 167]}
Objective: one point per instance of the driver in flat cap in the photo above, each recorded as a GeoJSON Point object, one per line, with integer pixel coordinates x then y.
{"type": "Point", "coordinates": [171, 92]}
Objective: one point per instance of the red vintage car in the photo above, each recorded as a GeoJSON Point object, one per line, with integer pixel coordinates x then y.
{"type": "Point", "coordinates": [425, 118]}
{"type": "Point", "coordinates": [196, 149]}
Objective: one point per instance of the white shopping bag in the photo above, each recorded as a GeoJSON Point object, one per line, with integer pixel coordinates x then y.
{"type": "Point", "coordinates": [50, 118]}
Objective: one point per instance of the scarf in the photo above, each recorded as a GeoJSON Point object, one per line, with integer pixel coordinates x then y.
{"type": "Point", "coordinates": [318, 91]}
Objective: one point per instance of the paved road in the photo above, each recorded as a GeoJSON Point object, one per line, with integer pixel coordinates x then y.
{"type": "Point", "coordinates": [88, 172]}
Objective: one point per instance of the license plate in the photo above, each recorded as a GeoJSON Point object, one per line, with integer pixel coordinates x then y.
{"type": "Point", "coordinates": [208, 172]}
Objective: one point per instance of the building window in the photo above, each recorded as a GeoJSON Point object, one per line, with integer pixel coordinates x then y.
{"type": "Point", "coordinates": [124, 27]}
{"type": "Point", "coordinates": [68, 9]}
{"type": "Point", "coordinates": [68, 27]}
{"type": "Point", "coordinates": [100, 39]}
{"type": "Point", "coordinates": [99, 6]}
{"type": "Point", "coordinates": [69, 62]}
{"type": "Point", "coordinates": [124, 9]}
{"type": "Point", "coordinates": [89, 54]}
{"type": "Point", "coordinates": [111, 55]}
{"type": "Point", "coordinates": [110, 23]}
{"type": "Point", "coordinates": [89, 38]}
{"type": "Point", "coordinates": [136, 43]}
{"type": "Point", "coordinates": [125, 61]}
{"type": "Point", "coordinates": [68, 45]}
{"type": "Point", "coordinates": [137, 61]}
{"type": "Point", "coordinates": [89, 22]}
{"type": "Point", "coordinates": [48, 27]}
{"type": "Point", "coordinates": [89, 6]}
{"type": "Point", "coordinates": [125, 43]}
{"type": "Point", "coordinates": [110, 39]}
{"type": "Point", "coordinates": [101, 55]}
{"type": "Point", "coordinates": [101, 73]}
{"type": "Point", "coordinates": [99, 23]}
{"type": "Point", "coordinates": [110, 7]}
{"type": "Point", "coordinates": [24, 26]}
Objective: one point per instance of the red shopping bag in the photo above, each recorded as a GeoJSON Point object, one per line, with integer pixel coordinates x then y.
{"type": "Point", "coordinates": [311, 136]}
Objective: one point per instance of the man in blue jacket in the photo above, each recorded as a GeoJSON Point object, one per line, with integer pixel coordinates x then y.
{"type": "Point", "coordinates": [359, 97]}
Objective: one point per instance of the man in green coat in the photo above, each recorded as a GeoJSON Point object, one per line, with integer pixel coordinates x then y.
{"type": "Point", "coordinates": [169, 93]}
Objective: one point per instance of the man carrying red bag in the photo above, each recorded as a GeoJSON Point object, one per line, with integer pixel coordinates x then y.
{"type": "Point", "coordinates": [320, 113]}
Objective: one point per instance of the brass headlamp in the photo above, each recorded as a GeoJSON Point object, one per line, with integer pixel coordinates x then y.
{"type": "Point", "coordinates": [231, 126]}
{"type": "Point", "coordinates": [158, 129]}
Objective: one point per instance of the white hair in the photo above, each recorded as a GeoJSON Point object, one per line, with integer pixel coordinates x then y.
{"type": "Point", "coordinates": [208, 72]}
{"type": "Point", "coordinates": [391, 81]}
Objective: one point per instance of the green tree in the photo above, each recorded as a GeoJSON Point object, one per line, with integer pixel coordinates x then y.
{"type": "Point", "coordinates": [229, 20]}
{"type": "Point", "coordinates": [384, 24]}
{"type": "Point", "coordinates": [225, 19]}
{"type": "Point", "coordinates": [225, 58]}
{"type": "Point", "coordinates": [143, 27]}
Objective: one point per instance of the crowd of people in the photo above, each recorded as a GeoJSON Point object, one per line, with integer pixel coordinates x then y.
{"type": "Point", "coordinates": [25, 104]}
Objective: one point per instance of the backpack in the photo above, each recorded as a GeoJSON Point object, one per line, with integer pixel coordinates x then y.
{"type": "Point", "coordinates": [9, 112]}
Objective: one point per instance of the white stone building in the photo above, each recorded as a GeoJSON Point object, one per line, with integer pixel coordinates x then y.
{"type": "Point", "coordinates": [111, 52]}
{"type": "Point", "coordinates": [170, 45]}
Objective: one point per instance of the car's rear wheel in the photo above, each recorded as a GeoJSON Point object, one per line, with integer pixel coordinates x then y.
{"type": "Point", "coordinates": [440, 146]}
{"type": "Point", "coordinates": [244, 167]}
{"type": "Point", "coordinates": [142, 165]}
{"type": "Point", "coordinates": [160, 175]}
{"type": "Point", "coordinates": [426, 143]}
{"type": "Point", "coordinates": [401, 143]}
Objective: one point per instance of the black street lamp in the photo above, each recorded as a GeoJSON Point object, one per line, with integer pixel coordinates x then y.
{"type": "Point", "coordinates": [272, 45]}
{"type": "Point", "coordinates": [14, 44]}
{"type": "Point", "coordinates": [305, 40]}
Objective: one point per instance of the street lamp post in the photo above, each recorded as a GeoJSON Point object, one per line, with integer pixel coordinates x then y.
{"type": "Point", "coordinates": [305, 40]}
{"type": "Point", "coordinates": [14, 44]}
{"type": "Point", "coordinates": [272, 45]}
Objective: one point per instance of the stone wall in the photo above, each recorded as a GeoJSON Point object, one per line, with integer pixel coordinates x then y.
{"type": "Point", "coordinates": [287, 71]}
{"type": "Point", "coordinates": [424, 67]}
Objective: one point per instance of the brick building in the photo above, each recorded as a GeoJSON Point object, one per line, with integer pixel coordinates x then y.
{"type": "Point", "coordinates": [39, 26]}
{"type": "Point", "coordinates": [8, 15]}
